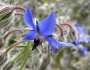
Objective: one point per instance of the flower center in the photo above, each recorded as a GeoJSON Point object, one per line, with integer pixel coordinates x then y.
{"type": "Point", "coordinates": [41, 38]}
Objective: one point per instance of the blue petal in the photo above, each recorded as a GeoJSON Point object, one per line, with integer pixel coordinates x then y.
{"type": "Point", "coordinates": [82, 48]}
{"type": "Point", "coordinates": [83, 51]}
{"type": "Point", "coordinates": [47, 25]}
{"type": "Point", "coordinates": [87, 39]}
{"type": "Point", "coordinates": [57, 43]}
{"type": "Point", "coordinates": [76, 25]}
{"type": "Point", "coordinates": [77, 41]}
{"type": "Point", "coordinates": [52, 46]}
{"type": "Point", "coordinates": [28, 18]}
{"type": "Point", "coordinates": [81, 30]}
{"type": "Point", "coordinates": [30, 35]}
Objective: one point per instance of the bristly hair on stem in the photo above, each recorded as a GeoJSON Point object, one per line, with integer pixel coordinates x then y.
{"type": "Point", "coordinates": [18, 7]}
{"type": "Point", "coordinates": [19, 13]}
{"type": "Point", "coordinates": [7, 34]}
{"type": "Point", "coordinates": [12, 46]}
{"type": "Point", "coordinates": [60, 29]}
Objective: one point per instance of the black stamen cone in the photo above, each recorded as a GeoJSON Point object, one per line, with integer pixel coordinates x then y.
{"type": "Point", "coordinates": [74, 43]}
{"type": "Point", "coordinates": [36, 43]}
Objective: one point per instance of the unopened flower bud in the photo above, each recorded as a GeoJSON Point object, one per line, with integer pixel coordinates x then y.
{"type": "Point", "coordinates": [5, 17]}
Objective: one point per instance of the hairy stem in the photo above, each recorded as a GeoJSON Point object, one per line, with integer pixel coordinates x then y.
{"type": "Point", "coordinates": [19, 54]}
{"type": "Point", "coordinates": [13, 45]}
{"type": "Point", "coordinates": [60, 29]}
{"type": "Point", "coordinates": [19, 13]}
{"type": "Point", "coordinates": [25, 59]}
{"type": "Point", "coordinates": [5, 36]}
{"type": "Point", "coordinates": [18, 7]}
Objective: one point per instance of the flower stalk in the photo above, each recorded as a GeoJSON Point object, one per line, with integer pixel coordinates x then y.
{"type": "Point", "coordinates": [60, 29]}
{"type": "Point", "coordinates": [19, 13]}
{"type": "Point", "coordinates": [18, 7]}
{"type": "Point", "coordinates": [26, 53]}
{"type": "Point", "coordinates": [12, 46]}
{"type": "Point", "coordinates": [6, 35]}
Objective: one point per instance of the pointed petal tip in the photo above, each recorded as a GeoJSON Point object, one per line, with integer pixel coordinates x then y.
{"type": "Point", "coordinates": [28, 18]}
{"type": "Point", "coordinates": [53, 13]}
{"type": "Point", "coordinates": [83, 26]}
{"type": "Point", "coordinates": [27, 7]}
{"type": "Point", "coordinates": [76, 24]}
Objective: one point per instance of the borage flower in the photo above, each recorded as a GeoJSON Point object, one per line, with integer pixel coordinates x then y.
{"type": "Point", "coordinates": [82, 37]}
{"type": "Point", "coordinates": [42, 31]}
{"type": "Point", "coordinates": [81, 32]}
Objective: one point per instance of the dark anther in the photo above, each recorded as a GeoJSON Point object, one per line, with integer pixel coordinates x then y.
{"type": "Point", "coordinates": [74, 42]}
{"type": "Point", "coordinates": [36, 43]}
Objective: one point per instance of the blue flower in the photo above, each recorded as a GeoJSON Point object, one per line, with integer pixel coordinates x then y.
{"type": "Point", "coordinates": [42, 31]}
{"type": "Point", "coordinates": [81, 32]}
{"type": "Point", "coordinates": [82, 38]}
{"type": "Point", "coordinates": [82, 50]}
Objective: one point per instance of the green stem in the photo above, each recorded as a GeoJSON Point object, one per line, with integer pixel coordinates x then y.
{"type": "Point", "coordinates": [25, 55]}
{"type": "Point", "coordinates": [25, 59]}
{"type": "Point", "coordinates": [19, 54]}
